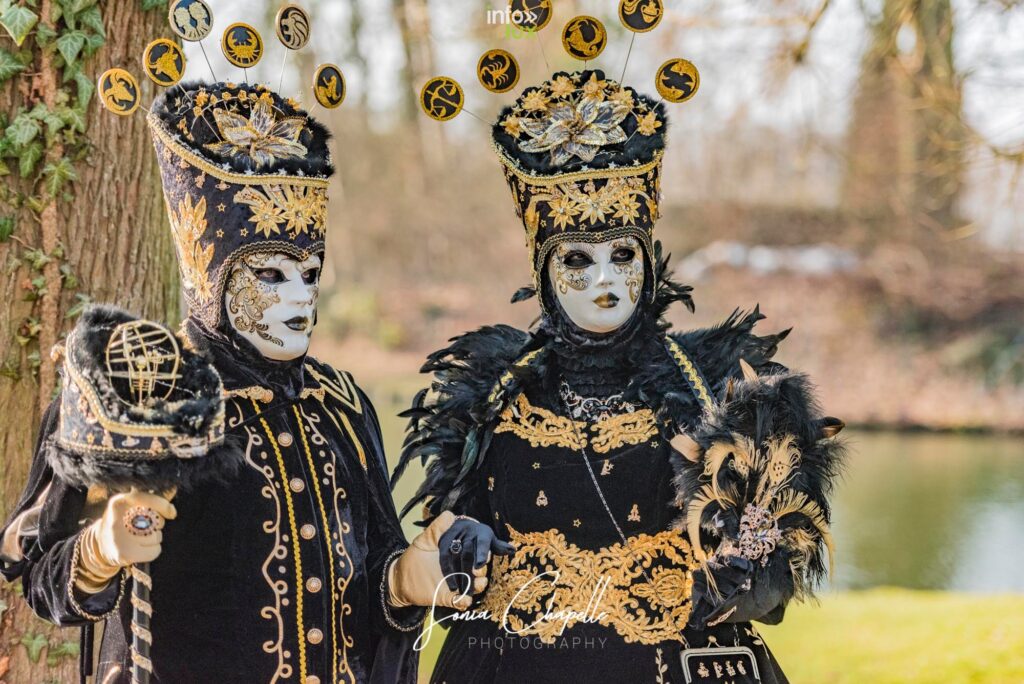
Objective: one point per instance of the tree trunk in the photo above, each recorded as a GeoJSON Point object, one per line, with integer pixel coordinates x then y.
{"type": "Point", "coordinates": [905, 143]}
{"type": "Point", "coordinates": [114, 238]}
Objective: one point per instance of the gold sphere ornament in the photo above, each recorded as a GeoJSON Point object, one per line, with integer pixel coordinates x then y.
{"type": "Point", "coordinates": [329, 85]}
{"type": "Point", "coordinates": [118, 91]}
{"type": "Point", "coordinates": [529, 15]}
{"type": "Point", "coordinates": [164, 62]}
{"type": "Point", "coordinates": [143, 359]}
{"type": "Point", "coordinates": [678, 80]}
{"type": "Point", "coordinates": [584, 37]}
{"type": "Point", "coordinates": [641, 16]}
{"type": "Point", "coordinates": [292, 26]}
{"type": "Point", "coordinates": [498, 71]}
{"type": "Point", "coordinates": [190, 20]}
{"type": "Point", "coordinates": [442, 98]}
{"type": "Point", "coordinates": [242, 45]}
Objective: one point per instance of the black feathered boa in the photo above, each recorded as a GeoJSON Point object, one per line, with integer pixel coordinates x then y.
{"type": "Point", "coordinates": [481, 372]}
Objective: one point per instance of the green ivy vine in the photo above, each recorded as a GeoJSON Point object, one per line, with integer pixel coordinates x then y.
{"type": "Point", "coordinates": [71, 34]}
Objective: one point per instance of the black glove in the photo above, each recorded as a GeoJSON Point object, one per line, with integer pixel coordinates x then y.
{"type": "Point", "coordinates": [467, 547]}
{"type": "Point", "coordinates": [745, 591]}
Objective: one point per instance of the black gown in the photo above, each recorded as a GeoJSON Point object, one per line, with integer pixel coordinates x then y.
{"type": "Point", "coordinates": [574, 603]}
{"type": "Point", "coordinates": [274, 574]}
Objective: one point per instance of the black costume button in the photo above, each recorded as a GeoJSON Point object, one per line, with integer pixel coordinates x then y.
{"type": "Point", "coordinates": [307, 531]}
{"type": "Point", "coordinates": [314, 636]}
{"type": "Point", "coordinates": [313, 585]}
{"type": "Point", "coordinates": [297, 485]}
{"type": "Point", "coordinates": [285, 439]}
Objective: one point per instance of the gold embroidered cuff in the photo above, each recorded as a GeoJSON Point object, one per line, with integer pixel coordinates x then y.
{"type": "Point", "coordinates": [75, 577]}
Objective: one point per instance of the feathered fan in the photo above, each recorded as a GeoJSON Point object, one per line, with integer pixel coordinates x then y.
{"type": "Point", "coordinates": [754, 484]}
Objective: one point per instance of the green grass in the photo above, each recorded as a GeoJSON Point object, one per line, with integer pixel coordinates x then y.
{"type": "Point", "coordinates": [891, 636]}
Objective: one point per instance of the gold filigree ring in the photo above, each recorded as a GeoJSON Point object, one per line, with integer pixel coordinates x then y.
{"type": "Point", "coordinates": [143, 521]}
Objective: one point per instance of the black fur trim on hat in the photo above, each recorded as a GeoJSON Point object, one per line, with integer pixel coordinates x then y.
{"type": "Point", "coordinates": [178, 103]}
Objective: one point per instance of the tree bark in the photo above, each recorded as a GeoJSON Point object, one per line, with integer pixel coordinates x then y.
{"type": "Point", "coordinates": [117, 243]}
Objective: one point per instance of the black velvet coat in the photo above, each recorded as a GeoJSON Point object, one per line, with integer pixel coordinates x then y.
{"type": "Point", "coordinates": [273, 574]}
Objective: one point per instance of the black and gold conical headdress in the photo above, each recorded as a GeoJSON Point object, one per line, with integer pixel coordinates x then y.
{"type": "Point", "coordinates": [581, 152]}
{"type": "Point", "coordinates": [244, 169]}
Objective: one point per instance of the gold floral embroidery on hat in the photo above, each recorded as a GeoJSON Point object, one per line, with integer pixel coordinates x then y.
{"type": "Point", "coordinates": [299, 209]}
{"type": "Point", "coordinates": [189, 224]}
{"type": "Point", "coordinates": [262, 138]}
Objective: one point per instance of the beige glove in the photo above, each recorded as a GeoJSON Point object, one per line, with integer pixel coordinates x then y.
{"type": "Point", "coordinates": [416, 578]}
{"type": "Point", "coordinates": [110, 543]}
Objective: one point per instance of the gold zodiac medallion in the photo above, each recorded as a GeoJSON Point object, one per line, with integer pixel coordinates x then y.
{"type": "Point", "coordinates": [144, 358]}
{"type": "Point", "coordinates": [119, 91]}
{"type": "Point", "coordinates": [529, 15]}
{"type": "Point", "coordinates": [242, 45]}
{"type": "Point", "coordinates": [164, 62]}
{"type": "Point", "coordinates": [498, 71]}
{"type": "Point", "coordinates": [329, 85]}
{"type": "Point", "coordinates": [292, 25]}
{"type": "Point", "coordinates": [640, 16]}
{"type": "Point", "coordinates": [677, 80]}
{"type": "Point", "coordinates": [584, 37]}
{"type": "Point", "coordinates": [442, 98]}
{"type": "Point", "coordinates": [190, 20]}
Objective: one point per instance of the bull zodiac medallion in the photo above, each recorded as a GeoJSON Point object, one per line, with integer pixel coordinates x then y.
{"type": "Point", "coordinates": [242, 45]}
{"type": "Point", "coordinates": [584, 37]}
{"type": "Point", "coordinates": [329, 85]}
{"type": "Point", "coordinates": [119, 91]}
{"type": "Point", "coordinates": [677, 80]}
{"type": "Point", "coordinates": [640, 16]}
{"type": "Point", "coordinates": [164, 62]}
{"type": "Point", "coordinates": [190, 20]}
{"type": "Point", "coordinates": [442, 98]}
{"type": "Point", "coordinates": [292, 25]}
{"type": "Point", "coordinates": [498, 71]}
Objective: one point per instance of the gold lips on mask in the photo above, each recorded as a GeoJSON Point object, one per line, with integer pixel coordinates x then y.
{"type": "Point", "coordinates": [607, 301]}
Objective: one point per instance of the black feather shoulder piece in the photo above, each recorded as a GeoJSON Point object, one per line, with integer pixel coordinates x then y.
{"type": "Point", "coordinates": [474, 377]}
{"type": "Point", "coordinates": [755, 477]}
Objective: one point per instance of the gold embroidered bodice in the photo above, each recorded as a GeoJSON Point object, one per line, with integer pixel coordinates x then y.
{"type": "Point", "coordinates": [571, 570]}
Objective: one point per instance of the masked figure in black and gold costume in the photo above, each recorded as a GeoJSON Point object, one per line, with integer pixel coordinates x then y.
{"type": "Point", "coordinates": [291, 564]}
{"type": "Point", "coordinates": [660, 489]}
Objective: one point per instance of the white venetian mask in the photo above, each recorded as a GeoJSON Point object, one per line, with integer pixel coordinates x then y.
{"type": "Point", "coordinates": [270, 300]}
{"type": "Point", "coordinates": [598, 285]}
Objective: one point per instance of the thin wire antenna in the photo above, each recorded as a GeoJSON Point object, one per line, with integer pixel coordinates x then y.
{"type": "Point", "coordinates": [628, 53]}
{"type": "Point", "coordinates": [207, 61]}
{"type": "Point", "coordinates": [476, 117]}
{"type": "Point", "coordinates": [540, 43]}
{"type": "Point", "coordinates": [245, 75]}
{"type": "Point", "coordinates": [280, 80]}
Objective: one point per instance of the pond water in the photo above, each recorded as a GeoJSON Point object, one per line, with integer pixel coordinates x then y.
{"type": "Point", "coordinates": [914, 510]}
{"type": "Point", "coordinates": [931, 511]}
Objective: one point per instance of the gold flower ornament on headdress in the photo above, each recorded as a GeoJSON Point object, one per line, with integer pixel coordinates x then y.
{"type": "Point", "coordinates": [262, 138]}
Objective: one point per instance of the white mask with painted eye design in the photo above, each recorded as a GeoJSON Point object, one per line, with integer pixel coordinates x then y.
{"type": "Point", "coordinates": [598, 285]}
{"type": "Point", "coordinates": [270, 300]}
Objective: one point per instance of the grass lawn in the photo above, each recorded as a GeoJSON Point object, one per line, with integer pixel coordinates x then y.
{"type": "Point", "coordinates": [892, 636]}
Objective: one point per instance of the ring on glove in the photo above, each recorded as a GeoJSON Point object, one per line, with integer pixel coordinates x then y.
{"type": "Point", "coordinates": [142, 521]}
{"type": "Point", "coordinates": [456, 546]}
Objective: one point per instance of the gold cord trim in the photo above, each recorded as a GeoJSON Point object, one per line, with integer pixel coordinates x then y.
{"type": "Point", "coordinates": [300, 637]}
{"type": "Point", "coordinates": [335, 628]}
{"type": "Point", "coordinates": [691, 374]}
{"type": "Point", "coordinates": [194, 159]}
{"type": "Point", "coordinates": [546, 181]}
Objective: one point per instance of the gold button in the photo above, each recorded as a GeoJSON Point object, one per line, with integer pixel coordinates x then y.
{"type": "Point", "coordinates": [312, 679]}
{"type": "Point", "coordinates": [314, 636]}
{"type": "Point", "coordinates": [307, 531]}
{"type": "Point", "coordinates": [284, 439]}
{"type": "Point", "coordinates": [313, 585]}
{"type": "Point", "coordinates": [297, 484]}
